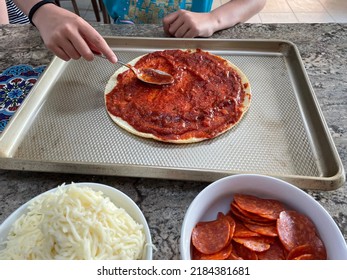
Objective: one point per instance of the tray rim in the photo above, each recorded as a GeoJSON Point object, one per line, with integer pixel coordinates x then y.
{"type": "Point", "coordinates": [151, 172]}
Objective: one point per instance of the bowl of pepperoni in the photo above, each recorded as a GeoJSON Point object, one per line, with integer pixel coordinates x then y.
{"type": "Point", "coordinates": [257, 217]}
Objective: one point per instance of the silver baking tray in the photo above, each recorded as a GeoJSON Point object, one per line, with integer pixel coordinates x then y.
{"type": "Point", "coordinates": [63, 126]}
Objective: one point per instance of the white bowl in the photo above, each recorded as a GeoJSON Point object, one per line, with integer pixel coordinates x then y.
{"type": "Point", "coordinates": [218, 195]}
{"type": "Point", "coordinates": [120, 199]}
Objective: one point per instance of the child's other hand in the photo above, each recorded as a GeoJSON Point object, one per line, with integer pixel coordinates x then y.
{"type": "Point", "coordinates": [186, 24]}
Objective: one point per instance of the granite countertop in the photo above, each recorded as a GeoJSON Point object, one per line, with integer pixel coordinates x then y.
{"type": "Point", "coordinates": [323, 48]}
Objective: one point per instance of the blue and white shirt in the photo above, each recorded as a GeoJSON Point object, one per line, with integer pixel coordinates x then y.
{"type": "Point", "coordinates": [151, 11]}
{"type": "Point", "coordinates": [15, 15]}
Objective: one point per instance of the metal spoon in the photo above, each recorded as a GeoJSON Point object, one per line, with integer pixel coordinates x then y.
{"type": "Point", "coordinates": [148, 75]}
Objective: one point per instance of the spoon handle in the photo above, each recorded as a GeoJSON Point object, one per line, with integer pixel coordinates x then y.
{"type": "Point", "coordinates": [123, 63]}
{"type": "Point", "coordinates": [118, 61]}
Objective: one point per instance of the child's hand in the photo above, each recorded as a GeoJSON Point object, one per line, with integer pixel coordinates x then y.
{"type": "Point", "coordinates": [68, 35]}
{"type": "Point", "coordinates": [186, 24]}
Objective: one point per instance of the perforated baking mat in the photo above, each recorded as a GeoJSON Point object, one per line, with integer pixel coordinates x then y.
{"type": "Point", "coordinates": [63, 125]}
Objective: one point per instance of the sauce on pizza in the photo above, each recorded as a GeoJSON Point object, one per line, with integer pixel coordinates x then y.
{"type": "Point", "coordinates": [207, 97]}
{"type": "Point", "coordinates": [154, 76]}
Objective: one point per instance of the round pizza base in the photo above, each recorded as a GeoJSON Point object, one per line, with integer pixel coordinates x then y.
{"type": "Point", "coordinates": [112, 83]}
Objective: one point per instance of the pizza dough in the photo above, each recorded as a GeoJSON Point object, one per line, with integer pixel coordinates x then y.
{"type": "Point", "coordinates": [208, 97]}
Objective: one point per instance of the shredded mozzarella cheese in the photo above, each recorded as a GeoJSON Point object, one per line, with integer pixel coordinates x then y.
{"type": "Point", "coordinates": [74, 223]}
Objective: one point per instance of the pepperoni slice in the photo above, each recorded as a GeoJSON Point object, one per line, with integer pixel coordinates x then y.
{"type": "Point", "coordinates": [232, 225]}
{"type": "Point", "coordinates": [220, 255]}
{"type": "Point", "coordinates": [256, 244]}
{"type": "Point", "coordinates": [267, 230]}
{"type": "Point", "coordinates": [315, 248]}
{"type": "Point", "coordinates": [294, 229]}
{"type": "Point", "coordinates": [320, 251]}
{"type": "Point", "coordinates": [236, 212]}
{"type": "Point", "coordinates": [231, 222]}
{"type": "Point", "coordinates": [276, 252]}
{"type": "Point", "coordinates": [249, 215]}
{"type": "Point", "coordinates": [305, 257]}
{"type": "Point", "coordinates": [234, 256]}
{"type": "Point", "coordinates": [300, 250]}
{"type": "Point", "coordinates": [242, 231]}
{"type": "Point", "coordinates": [243, 252]}
{"type": "Point", "coordinates": [267, 208]}
{"type": "Point", "coordinates": [211, 236]}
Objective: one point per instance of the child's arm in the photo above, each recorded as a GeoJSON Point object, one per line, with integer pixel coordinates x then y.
{"type": "Point", "coordinates": [3, 12]}
{"type": "Point", "coordinates": [187, 24]}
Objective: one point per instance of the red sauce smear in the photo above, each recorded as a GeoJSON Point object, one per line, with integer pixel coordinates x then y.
{"type": "Point", "coordinates": [205, 98]}
{"type": "Point", "coordinates": [152, 76]}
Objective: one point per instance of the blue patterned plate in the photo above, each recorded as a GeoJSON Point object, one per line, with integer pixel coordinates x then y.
{"type": "Point", "coordinates": [15, 84]}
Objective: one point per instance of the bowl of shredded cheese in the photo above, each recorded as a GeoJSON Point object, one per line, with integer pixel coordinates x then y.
{"type": "Point", "coordinates": [77, 221]}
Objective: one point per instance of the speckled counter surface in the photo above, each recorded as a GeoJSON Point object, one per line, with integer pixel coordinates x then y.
{"type": "Point", "coordinates": [323, 48]}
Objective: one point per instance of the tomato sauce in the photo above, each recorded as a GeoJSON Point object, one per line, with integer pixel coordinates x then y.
{"type": "Point", "coordinates": [153, 76]}
{"type": "Point", "coordinates": [203, 101]}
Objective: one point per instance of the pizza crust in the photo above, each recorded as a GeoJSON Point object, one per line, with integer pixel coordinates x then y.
{"type": "Point", "coordinates": [112, 83]}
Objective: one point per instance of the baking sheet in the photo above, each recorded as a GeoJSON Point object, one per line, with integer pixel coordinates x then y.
{"type": "Point", "coordinates": [63, 126]}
